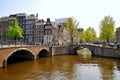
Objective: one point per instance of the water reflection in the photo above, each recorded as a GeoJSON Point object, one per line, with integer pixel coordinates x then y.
{"type": "Point", "coordinates": [63, 67]}
{"type": "Point", "coordinates": [87, 72]}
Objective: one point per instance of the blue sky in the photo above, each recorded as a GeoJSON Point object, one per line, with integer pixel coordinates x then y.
{"type": "Point", "coordinates": [87, 12]}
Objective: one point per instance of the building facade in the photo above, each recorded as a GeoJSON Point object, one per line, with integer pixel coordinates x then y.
{"type": "Point", "coordinates": [50, 33]}
{"type": "Point", "coordinates": [21, 18]}
{"type": "Point", "coordinates": [117, 35]}
{"type": "Point", "coordinates": [31, 29]}
{"type": "Point", "coordinates": [37, 31]}
{"type": "Point", "coordinates": [40, 32]}
{"type": "Point", "coordinates": [3, 28]}
{"type": "Point", "coordinates": [63, 35]}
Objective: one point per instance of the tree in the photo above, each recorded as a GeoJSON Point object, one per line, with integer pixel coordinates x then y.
{"type": "Point", "coordinates": [14, 31]}
{"type": "Point", "coordinates": [90, 34]}
{"type": "Point", "coordinates": [94, 34]}
{"type": "Point", "coordinates": [81, 36]}
{"type": "Point", "coordinates": [107, 28]}
{"type": "Point", "coordinates": [71, 27]}
{"type": "Point", "coordinates": [0, 32]}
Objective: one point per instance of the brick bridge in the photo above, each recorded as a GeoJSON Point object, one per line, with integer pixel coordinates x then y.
{"type": "Point", "coordinates": [11, 54]}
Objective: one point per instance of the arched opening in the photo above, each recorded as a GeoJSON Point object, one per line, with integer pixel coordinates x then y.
{"type": "Point", "coordinates": [85, 52]}
{"type": "Point", "coordinates": [74, 49]}
{"type": "Point", "coordinates": [43, 53]}
{"type": "Point", "coordinates": [19, 56]}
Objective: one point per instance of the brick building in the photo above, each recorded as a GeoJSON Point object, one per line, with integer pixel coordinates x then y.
{"type": "Point", "coordinates": [3, 28]}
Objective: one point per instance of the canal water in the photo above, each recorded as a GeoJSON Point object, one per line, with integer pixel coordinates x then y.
{"type": "Point", "coordinates": [64, 67]}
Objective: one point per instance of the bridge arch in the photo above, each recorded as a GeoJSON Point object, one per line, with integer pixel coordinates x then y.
{"type": "Point", "coordinates": [43, 52]}
{"type": "Point", "coordinates": [75, 48]}
{"type": "Point", "coordinates": [18, 55]}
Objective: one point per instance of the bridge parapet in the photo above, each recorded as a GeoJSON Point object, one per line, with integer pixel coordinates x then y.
{"type": "Point", "coordinates": [5, 53]}
{"type": "Point", "coordinates": [103, 51]}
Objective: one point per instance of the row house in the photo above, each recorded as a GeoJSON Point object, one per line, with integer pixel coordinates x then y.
{"type": "Point", "coordinates": [21, 17]}
{"type": "Point", "coordinates": [31, 29]}
{"type": "Point", "coordinates": [3, 28]}
{"type": "Point", "coordinates": [50, 33]}
{"type": "Point", "coordinates": [40, 32]}
{"type": "Point", "coordinates": [37, 31]}
{"type": "Point", "coordinates": [34, 30]}
{"type": "Point", "coordinates": [27, 23]}
{"type": "Point", "coordinates": [63, 35]}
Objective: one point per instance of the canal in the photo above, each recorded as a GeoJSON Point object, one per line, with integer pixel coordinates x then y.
{"type": "Point", "coordinates": [64, 67]}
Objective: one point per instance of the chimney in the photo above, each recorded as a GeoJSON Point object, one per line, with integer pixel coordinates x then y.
{"type": "Point", "coordinates": [37, 15]}
{"type": "Point", "coordinates": [48, 19]}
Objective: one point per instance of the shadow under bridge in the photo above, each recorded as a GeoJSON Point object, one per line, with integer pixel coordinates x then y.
{"type": "Point", "coordinates": [19, 56]}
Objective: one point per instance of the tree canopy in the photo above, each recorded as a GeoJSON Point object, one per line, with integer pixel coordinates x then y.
{"type": "Point", "coordinates": [14, 31]}
{"type": "Point", "coordinates": [107, 28]}
{"type": "Point", "coordinates": [81, 36]}
{"type": "Point", "coordinates": [71, 27]}
{"type": "Point", "coordinates": [90, 34]}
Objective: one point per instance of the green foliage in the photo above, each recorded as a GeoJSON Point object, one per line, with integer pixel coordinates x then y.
{"type": "Point", "coordinates": [71, 27]}
{"type": "Point", "coordinates": [81, 36]}
{"type": "Point", "coordinates": [0, 32]}
{"type": "Point", "coordinates": [14, 31]}
{"type": "Point", "coordinates": [107, 28]}
{"type": "Point", "coordinates": [90, 34]}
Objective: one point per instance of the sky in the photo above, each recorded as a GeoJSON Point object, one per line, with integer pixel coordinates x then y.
{"type": "Point", "coordinates": [86, 12]}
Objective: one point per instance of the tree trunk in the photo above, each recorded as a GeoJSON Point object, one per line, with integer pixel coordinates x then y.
{"type": "Point", "coordinates": [71, 40]}
{"type": "Point", "coordinates": [107, 42]}
{"type": "Point", "coordinates": [15, 41]}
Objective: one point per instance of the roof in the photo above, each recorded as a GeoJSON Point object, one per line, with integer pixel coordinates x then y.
{"type": "Point", "coordinates": [21, 14]}
{"type": "Point", "coordinates": [17, 14]}
{"type": "Point", "coordinates": [61, 20]}
{"type": "Point", "coordinates": [4, 19]}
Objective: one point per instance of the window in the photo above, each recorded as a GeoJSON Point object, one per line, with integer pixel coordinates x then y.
{"type": "Point", "coordinates": [46, 32]}
{"type": "Point", "coordinates": [33, 32]}
{"type": "Point", "coordinates": [47, 27]}
{"type": "Point", "coordinates": [43, 32]}
{"type": "Point", "coordinates": [49, 32]}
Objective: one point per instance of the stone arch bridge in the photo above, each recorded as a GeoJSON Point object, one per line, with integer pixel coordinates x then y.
{"type": "Point", "coordinates": [97, 50]}
{"type": "Point", "coordinates": [10, 54]}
